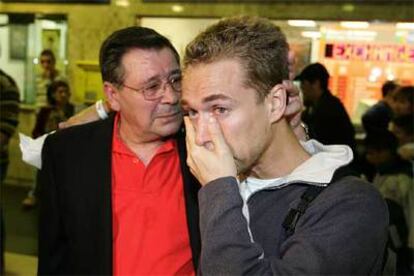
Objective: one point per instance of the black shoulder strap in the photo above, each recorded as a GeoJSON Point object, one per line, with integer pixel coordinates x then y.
{"type": "Point", "coordinates": [294, 214]}
{"type": "Point", "coordinates": [306, 198]}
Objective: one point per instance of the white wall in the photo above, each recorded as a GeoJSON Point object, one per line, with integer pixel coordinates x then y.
{"type": "Point", "coordinates": [179, 30]}
{"type": "Point", "coordinates": [14, 68]}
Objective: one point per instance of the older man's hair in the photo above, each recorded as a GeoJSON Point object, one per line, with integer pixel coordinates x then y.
{"type": "Point", "coordinates": [257, 43]}
{"type": "Point", "coordinates": [122, 41]}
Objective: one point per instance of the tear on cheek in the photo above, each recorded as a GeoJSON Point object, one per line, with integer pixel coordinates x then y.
{"type": "Point", "coordinates": [209, 146]}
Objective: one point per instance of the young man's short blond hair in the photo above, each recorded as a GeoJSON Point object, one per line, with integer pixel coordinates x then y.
{"type": "Point", "coordinates": [257, 43]}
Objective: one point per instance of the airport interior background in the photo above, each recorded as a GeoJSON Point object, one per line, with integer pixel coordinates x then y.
{"type": "Point", "coordinates": [362, 43]}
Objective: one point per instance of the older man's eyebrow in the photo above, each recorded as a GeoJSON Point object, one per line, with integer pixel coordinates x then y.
{"type": "Point", "coordinates": [173, 72]}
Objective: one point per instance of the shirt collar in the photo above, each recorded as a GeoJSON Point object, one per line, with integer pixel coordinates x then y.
{"type": "Point", "coordinates": [317, 170]}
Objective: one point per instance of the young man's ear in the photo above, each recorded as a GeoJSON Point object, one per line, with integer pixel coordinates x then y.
{"type": "Point", "coordinates": [112, 95]}
{"type": "Point", "coordinates": [277, 101]}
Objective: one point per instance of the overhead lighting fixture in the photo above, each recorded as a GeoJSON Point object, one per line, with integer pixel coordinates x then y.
{"type": "Point", "coordinates": [311, 34]}
{"type": "Point", "coordinates": [4, 19]}
{"type": "Point", "coordinates": [302, 23]}
{"type": "Point", "coordinates": [177, 8]}
{"type": "Point", "coordinates": [357, 35]}
{"type": "Point", "coordinates": [401, 25]}
{"type": "Point", "coordinates": [374, 75]}
{"type": "Point", "coordinates": [354, 24]}
{"type": "Point", "coordinates": [122, 3]}
{"type": "Point", "coordinates": [49, 24]}
{"type": "Point", "coordinates": [348, 7]}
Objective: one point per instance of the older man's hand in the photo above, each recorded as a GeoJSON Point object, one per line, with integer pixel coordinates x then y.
{"type": "Point", "coordinates": [85, 116]}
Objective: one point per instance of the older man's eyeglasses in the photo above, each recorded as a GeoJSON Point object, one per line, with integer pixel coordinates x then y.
{"type": "Point", "coordinates": [155, 89]}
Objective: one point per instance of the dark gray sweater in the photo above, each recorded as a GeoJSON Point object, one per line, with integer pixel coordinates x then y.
{"type": "Point", "coordinates": [343, 232]}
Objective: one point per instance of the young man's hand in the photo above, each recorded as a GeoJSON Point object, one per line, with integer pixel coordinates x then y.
{"type": "Point", "coordinates": [212, 160]}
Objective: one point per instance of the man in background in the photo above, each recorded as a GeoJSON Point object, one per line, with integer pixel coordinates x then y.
{"type": "Point", "coordinates": [48, 74]}
{"type": "Point", "coordinates": [377, 118]}
{"type": "Point", "coordinates": [325, 115]}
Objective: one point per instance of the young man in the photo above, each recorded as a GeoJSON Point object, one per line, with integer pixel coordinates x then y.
{"type": "Point", "coordinates": [254, 171]}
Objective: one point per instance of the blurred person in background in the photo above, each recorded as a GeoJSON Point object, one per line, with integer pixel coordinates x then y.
{"type": "Point", "coordinates": [403, 129]}
{"type": "Point", "coordinates": [376, 120]}
{"type": "Point", "coordinates": [394, 180]}
{"type": "Point", "coordinates": [325, 115]}
{"type": "Point", "coordinates": [9, 111]}
{"type": "Point", "coordinates": [48, 74]}
{"type": "Point", "coordinates": [58, 110]}
{"type": "Point", "coordinates": [404, 101]}
{"type": "Point", "coordinates": [377, 117]}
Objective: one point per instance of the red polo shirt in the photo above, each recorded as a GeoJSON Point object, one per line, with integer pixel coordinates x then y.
{"type": "Point", "coordinates": [150, 234]}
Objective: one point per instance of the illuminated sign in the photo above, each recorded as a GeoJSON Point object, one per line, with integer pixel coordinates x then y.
{"type": "Point", "coordinates": [370, 52]}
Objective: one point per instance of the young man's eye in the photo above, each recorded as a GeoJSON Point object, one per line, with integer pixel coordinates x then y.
{"type": "Point", "coordinates": [191, 113]}
{"type": "Point", "coordinates": [220, 110]}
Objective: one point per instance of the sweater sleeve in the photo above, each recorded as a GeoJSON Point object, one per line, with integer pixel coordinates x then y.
{"type": "Point", "coordinates": [342, 235]}
{"type": "Point", "coordinates": [9, 105]}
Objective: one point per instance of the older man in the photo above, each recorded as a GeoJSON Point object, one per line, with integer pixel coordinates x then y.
{"type": "Point", "coordinates": [115, 195]}
{"type": "Point", "coordinates": [268, 204]}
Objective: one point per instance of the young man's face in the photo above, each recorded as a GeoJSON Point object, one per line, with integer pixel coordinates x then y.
{"type": "Point", "coordinates": [149, 118]}
{"type": "Point", "coordinates": [216, 89]}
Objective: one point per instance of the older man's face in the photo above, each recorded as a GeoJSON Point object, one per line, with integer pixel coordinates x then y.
{"type": "Point", "coordinates": [149, 118]}
{"type": "Point", "coordinates": [217, 89]}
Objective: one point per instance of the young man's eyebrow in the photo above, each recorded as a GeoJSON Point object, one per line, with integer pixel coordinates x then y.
{"type": "Point", "coordinates": [208, 99]}
{"type": "Point", "coordinates": [215, 97]}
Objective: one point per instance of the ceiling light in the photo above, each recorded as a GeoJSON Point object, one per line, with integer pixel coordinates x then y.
{"type": "Point", "coordinates": [401, 25]}
{"type": "Point", "coordinates": [351, 35]}
{"type": "Point", "coordinates": [122, 3]}
{"type": "Point", "coordinates": [177, 8]}
{"type": "Point", "coordinates": [311, 34]}
{"type": "Point", "coordinates": [355, 24]}
{"type": "Point", "coordinates": [48, 24]}
{"type": "Point", "coordinates": [302, 23]}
